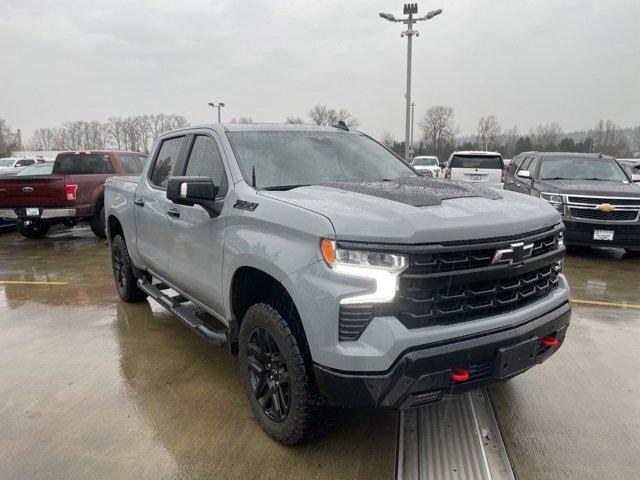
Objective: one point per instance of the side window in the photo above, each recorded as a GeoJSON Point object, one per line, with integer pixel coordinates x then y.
{"type": "Point", "coordinates": [128, 164]}
{"type": "Point", "coordinates": [166, 161]}
{"type": "Point", "coordinates": [514, 166]}
{"type": "Point", "coordinates": [25, 163]}
{"type": "Point", "coordinates": [205, 161]}
{"type": "Point", "coordinates": [533, 166]}
{"type": "Point", "coordinates": [525, 164]}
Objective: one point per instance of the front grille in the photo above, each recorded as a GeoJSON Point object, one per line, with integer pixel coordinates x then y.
{"type": "Point", "coordinates": [615, 215]}
{"type": "Point", "coordinates": [445, 284]}
{"type": "Point", "coordinates": [418, 307]}
{"type": "Point", "coordinates": [600, 200]}
{"type": "Point", "coordinates": [422, 264]}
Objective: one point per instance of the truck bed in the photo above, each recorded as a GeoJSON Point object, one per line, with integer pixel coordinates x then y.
{"type": "Point", "coordinates": [37, 191]}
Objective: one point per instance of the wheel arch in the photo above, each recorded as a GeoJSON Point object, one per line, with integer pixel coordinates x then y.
{"type": "Point", "coordinates": [251, 285]}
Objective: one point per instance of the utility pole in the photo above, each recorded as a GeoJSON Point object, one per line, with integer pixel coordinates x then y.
{"type": "Point", "coordinates": [410, 9]}
{"type": "Point", "coordinates": [218, 106]}
{"type": "Point", "coordinates": [413, 116]}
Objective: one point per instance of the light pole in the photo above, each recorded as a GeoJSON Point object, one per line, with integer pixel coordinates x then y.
{"type": "Point", "coordinates": [413, 116]}
{"type": "Point", "coordinates": [410, 9]}
{"type": "Point", "coordinates": [218, 106]}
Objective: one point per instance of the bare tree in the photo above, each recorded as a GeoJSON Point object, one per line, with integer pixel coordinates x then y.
{"type": "Point", "coordinates": [607, 137]}
{"type": "Point", "coordinates": [387, 140]}
{"type": "Point", "coordinates": [242, 120]}
{"type": "Point", "coordinates": [488, 132]}
{"type": "Point", "coordinates": [8, 139]}
{"type": "Point", "coordinates": [438, 128]}
{"type": "Point", "coordinates": [509, 140]}
{"type": "Point", "coordinates": [546, 137]}
{"type": "Point", "coordinates": [295, 120]}
{"type": "Point", "coordinates": [328, 117]}
{"type": "Point", "coordinates": [636, 137]}
{"type": "Point", "coordinates": [43, 139]}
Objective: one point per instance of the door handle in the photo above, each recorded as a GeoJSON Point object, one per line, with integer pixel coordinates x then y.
{"type": "Point", "coordinates": [173, 213]}
{"type": "Point", "coordinates": [139, 202]}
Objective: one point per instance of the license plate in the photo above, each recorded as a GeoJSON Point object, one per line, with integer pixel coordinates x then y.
{"type": "Point", "coordinates": [516, 358]}
{"type": "Point", "coordinates": [603, 235]}
{"type": "Point", "coordinates": [476, 178]}
{"type": "Point", "coordinates": [33, 212]}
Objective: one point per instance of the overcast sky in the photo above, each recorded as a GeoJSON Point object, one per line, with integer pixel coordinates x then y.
{"type": "Point", "coordinates": [528, 61]}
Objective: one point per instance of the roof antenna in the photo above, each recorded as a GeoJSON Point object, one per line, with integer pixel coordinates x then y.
{"type": "Point", "coordinates": [253, 176]}
{"type": "Point", "coordinates": [341, 125]}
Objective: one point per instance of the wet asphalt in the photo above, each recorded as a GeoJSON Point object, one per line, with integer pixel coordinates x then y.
{"type": "Point", "coordinates": [91, 387]}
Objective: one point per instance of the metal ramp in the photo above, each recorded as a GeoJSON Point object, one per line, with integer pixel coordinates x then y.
{"type": "Point", "coordinates": [455, 439]}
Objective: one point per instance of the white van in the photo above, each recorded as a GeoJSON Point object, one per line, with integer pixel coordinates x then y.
{"type": "Point", "coordinates": [478, 167]}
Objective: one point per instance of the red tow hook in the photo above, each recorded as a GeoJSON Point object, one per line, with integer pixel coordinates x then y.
{"type": "Point", "coordinates": [459, 375]}
{"type": "Point", "coordinates": [549, 342]}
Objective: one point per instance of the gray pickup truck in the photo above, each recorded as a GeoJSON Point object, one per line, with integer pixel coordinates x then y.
{"type": "Point", "coordinates": [338, 274]}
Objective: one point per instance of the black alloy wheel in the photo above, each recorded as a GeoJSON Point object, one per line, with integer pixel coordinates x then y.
{"type": "Point", "coordinates": [268, 375]}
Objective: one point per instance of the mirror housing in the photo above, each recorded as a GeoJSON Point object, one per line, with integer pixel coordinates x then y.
{"type": "Point", "coordinates": [635, 177]}
{"type": "Point", "coordinates": [192, 191]}
{"type": "Point", "coordinates": [524, 174]}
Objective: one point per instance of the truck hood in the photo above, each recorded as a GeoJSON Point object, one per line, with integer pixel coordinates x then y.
{"type": "Point", "coordinates": [365, 217]}
{"type": "Point", "coordinates": [589, 187]}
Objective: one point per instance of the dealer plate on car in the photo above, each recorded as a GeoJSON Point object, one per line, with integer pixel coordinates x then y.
{"type": "Point", "coordinates": [33, 212]}
{"type": "Point", "coordinates": [476, 178]}
{"type": "Point", "coordinates": [603, 235]}
{"type": "Point", "coordinates": [516, 358]}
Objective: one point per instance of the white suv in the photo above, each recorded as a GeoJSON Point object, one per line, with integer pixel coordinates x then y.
{"type": "Point", "coordinates": [478, 167]}
{"type": "Point", "coordinates": [427, 163]}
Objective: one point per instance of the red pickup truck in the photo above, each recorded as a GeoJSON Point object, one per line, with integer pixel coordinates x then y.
{"type": "Point", "coordinates": [73, 192]}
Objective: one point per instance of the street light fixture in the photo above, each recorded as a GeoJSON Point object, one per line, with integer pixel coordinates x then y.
{"type": "Point", "coordinates": [218, 106]}
{"type": "Point", "coordinates": [410, 9]}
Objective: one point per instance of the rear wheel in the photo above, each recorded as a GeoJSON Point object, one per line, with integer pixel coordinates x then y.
{"type": "Point", "coordinates": [125, 280]}
{"type": "Point", "coordinates": [33, 230]}
{"type": "Point", "coordinates": [98, 222]}
{"type": "Point", "coordinates": [278, 383]}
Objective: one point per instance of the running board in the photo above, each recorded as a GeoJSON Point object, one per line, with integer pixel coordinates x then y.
{"type": "Point", "coordinates": [185, 314]}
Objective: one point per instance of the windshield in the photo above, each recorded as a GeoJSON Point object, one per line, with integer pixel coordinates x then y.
{"type": "Point", "coordinates": [37, 169]}
{"type": "Point", "coordinates": [6, 162]}
{"type": "Point", "coordinates": [581, 169]}
{"type": "Point", "coordinates": [476, 161]}
{"type": "Point", "coordinates": [295, 158]}
{"type": "Point", "coordinates": [425, 162]}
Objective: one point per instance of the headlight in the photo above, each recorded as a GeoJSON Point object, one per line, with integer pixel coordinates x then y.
{"type": "Point", "coordinates": [554, 199]}
{"type": "Point", "coordinates": [384, 268]}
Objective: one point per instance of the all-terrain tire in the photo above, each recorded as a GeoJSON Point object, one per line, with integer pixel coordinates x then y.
{"type": "Point", "coordinates": [125, 280]}
{"type": "Point", "coordinates": [309, 414]}
{"type": "Point", "coordinates": [34, 230]}
{"type": "Point", "coordinates": [98, 222]}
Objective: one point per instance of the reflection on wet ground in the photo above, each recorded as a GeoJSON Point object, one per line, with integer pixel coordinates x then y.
{"type": "Point", "coordinates": [95, 388]}
{"type": "Point", "coordinates": [578, 416]}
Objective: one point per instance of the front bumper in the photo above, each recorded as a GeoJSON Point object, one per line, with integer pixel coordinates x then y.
{"type": "Point", "coordinates": [625, 234]}
{"type": "Point", "coordinates": [44, 213]}
{"type": "Point", "coordinates": [421, 375]}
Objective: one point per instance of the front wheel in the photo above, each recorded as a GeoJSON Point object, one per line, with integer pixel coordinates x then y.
{"type": "Point", "coordinates": [125, 280]}
{"type": "Point", "coordinates": [281, 391]}
{"type": "Point", "coordinates": [33, 230]}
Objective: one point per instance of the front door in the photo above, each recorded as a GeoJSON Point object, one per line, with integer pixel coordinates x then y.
{"type": "Point", "coordinates": [196, 238]}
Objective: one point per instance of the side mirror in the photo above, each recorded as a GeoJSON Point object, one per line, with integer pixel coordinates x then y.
{"type": "Point", "coordinates": [192, 191]}
{"type": "Point", "coordinates": [635, 177]}
{"type": "Point", "coordinates": [524, 174]}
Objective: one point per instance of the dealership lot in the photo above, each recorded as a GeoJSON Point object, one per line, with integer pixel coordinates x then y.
{"type": "Point", "coordinates": [96, 388]}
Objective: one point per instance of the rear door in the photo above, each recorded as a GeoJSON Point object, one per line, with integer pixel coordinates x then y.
{"type": "Point", "coordinates": [477, 168]}
{"type": "Point", "coordinates": [196, 239]}
{"type": "Point", "coordinates": [151, 206]}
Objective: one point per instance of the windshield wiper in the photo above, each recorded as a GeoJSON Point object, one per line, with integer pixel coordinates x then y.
{"type": "Point", "coordinates": [281, 188]}
{"type": "Point", "coordinates": [557, 178]}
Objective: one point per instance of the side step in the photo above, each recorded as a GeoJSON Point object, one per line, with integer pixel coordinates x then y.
{"type": "Point", "coordinates": [184, 313]}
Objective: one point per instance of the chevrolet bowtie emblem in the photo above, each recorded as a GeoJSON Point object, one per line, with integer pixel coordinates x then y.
{"type": "Point", "coordinates": [514, 255]}
{"type": "Point", "coordinates": [605, 207]}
